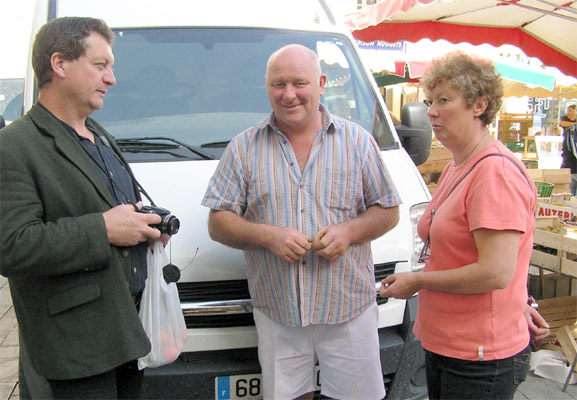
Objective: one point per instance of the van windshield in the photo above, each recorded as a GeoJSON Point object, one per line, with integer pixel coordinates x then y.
{"type": "Point", "coordinates": [201, 87]}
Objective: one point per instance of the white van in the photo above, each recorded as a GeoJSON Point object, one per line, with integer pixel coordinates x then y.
{"type": "Point", "coordinates": [190, 76]}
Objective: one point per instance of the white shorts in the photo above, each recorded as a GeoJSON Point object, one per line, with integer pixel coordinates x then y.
{"type": "Point", "coordinates": [348, 356]}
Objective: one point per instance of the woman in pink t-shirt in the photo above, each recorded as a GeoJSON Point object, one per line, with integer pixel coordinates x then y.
{"type": "Point", "coordinates": [478, 234]}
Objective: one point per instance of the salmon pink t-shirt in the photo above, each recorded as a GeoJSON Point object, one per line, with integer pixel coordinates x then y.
{"type": "Point", "coordinates": [494, 195]}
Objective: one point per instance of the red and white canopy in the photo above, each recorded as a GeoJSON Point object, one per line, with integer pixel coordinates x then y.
{"type": "Point", "coordinates": [545, 29]}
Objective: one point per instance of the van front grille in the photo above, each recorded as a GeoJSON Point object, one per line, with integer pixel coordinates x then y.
{"type": "Point", "coordinates": [199, 295]}
{"type": "Point", "coordinates": [191, 292]}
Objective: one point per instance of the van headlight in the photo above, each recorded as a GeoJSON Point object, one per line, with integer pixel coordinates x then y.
{"type": "Point", "coordinates": [416, 212]}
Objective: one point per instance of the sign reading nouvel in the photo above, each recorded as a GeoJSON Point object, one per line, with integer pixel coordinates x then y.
{"type": "Point", "coordinates": [381, 45]}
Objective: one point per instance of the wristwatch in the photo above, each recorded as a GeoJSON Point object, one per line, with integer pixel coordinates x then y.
{"type": "Point", "coordinates": [533, 303]}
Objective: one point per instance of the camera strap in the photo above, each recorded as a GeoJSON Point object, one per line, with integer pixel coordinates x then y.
{"type": "Point", "coordinates": [137, 184]}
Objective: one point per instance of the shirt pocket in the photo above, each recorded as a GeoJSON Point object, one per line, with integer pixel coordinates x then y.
{"type": "Point", "coordinates": [73, 298]}
{"type": "Point", "coordinates": [341, 190]}
{"type": "Point", "coordinates": [262, 205]}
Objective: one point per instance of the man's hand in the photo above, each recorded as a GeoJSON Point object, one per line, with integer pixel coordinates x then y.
{"type": "Point", "coordinates": [126, 227]}
{"type": "Point", "coordinates": [164, 239]}
{"type": "Point", "coordinates": [230, 229]}
{"type": "Point", "coordinates": [288, 244]}
{"type": "Point", "coordinates": [331, 242]}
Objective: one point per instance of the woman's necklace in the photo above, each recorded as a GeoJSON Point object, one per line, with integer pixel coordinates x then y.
{"type": "Point", "coordinates": [471, 152]}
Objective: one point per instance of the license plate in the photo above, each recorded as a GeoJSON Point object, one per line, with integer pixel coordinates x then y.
{"type": "Point", "coordinates": [245, 387]}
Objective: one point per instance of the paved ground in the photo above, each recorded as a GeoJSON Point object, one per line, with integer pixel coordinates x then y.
{"type": "Point", "coordinates": [8, 345]}
{"type": "Point", "coordinates": [535, 388]}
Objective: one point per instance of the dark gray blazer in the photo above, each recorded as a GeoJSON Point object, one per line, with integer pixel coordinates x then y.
{"type": "Point", "coordinates": [69, 285]}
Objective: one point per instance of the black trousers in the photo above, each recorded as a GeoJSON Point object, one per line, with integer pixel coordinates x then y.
{"type": "Point", "coordinates": [124, 382]}
{"type": "Point", "coordinates": [451, 378]}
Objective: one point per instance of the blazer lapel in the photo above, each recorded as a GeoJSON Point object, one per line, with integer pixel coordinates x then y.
{"type": "Point", "coordinates": [69, 148]}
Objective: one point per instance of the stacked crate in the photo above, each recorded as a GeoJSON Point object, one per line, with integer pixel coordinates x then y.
{"type": "Point", "coordinates": [554, 257]}
{"type": "Point", "coordinates": [513, 128]}
{"type": "Point", "coordinates": [555, 246]}
{"type": "Point", "coordinates": [431, 169]}
{"type": "Point", "coordinates": [560, 177]}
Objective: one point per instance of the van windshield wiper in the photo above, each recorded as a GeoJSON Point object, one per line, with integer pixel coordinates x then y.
{"type": "Point", "coordinates": [216, 144]}
{"type": "Point", "coordinates": [151, 143]}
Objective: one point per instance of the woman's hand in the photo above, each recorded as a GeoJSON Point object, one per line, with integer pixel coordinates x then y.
{"type": "Point", "coordinates": [538, 327]}
{"type": "Point", "coordinates": [400, 286]}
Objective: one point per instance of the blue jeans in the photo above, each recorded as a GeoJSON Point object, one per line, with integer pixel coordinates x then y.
{"type": "Point", "coordinates": [451, 378]}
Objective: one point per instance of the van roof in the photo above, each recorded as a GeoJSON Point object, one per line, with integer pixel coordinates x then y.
{"type": "Point", "coordinates": [312, 15]}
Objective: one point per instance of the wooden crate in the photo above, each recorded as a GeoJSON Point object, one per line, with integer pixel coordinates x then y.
{"type": "Point", "coordinates": [543, 284]}
{"type": "Point", "coordinates": [560, 177]}
{"type": "Point", "coordinates": [555, 250]}
{"type": "Point", "coordinates": [558, 312]}
{"type": "Point", "coordinates": [561, 188]}
{"type": "Point", "coordinates": [432, 187]}
{"type": "Point", "coordinates": [514, 128]}
{"type": "Point", "coordinates": [530, 148]}
{"type": "Point", "coordinates": [555, 176]}
{"type": "Point", "coordinates": [547, 249]}
{"type": "Point", "coordinates": [550, 262]}
{"type": "Point", "coordinates": [536, 174]}
{"type": "Point", "coordinates": [569, 256]}
{"type": "Point", "coordinates": [513, 122]}
{"type": "Point", "coordinates": [547, 209]}
{"type": "Point", "coordinates": [514, 146]}
{"type": "Point", "coordinates": [510, 137]}
{"type": "Point", "coordinates": [566, 337]}
{"type": "Point", "coordinates": [433, 166]}
{"type": "Point", "coordinates": [439, 157]}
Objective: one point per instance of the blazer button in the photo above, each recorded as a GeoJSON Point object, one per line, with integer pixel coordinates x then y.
{"type": "Point", "coordinates": [124, 253]}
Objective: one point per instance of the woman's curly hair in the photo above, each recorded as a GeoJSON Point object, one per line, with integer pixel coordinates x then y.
{"type": "Point", "coordinates": [472, 77]}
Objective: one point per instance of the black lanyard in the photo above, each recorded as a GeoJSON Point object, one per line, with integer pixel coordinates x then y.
{"type": "Point", "coordinates": [118, 193]}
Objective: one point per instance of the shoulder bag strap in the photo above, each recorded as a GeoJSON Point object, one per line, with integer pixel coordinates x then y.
{"type": "Point", "coordinates": [481, 159]}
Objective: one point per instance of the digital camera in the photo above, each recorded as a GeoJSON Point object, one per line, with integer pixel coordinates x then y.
{"type": "Point", "coordinates": [169, 224]}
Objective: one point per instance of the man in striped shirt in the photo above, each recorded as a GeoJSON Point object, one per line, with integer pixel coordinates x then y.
{"type": "Point", "coordinates": [303, 193]}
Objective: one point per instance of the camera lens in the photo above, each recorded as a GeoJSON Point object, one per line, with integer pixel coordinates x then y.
{"type": "Point", "coordinates": [169, 224]}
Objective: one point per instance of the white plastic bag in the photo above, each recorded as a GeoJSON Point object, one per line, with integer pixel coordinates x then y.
{"type": "Point", "coordinates": [552, 365]}
{"type": "Point", "coordinates": [160, 313]}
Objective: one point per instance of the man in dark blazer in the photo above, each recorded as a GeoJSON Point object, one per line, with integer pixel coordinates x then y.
{"type": "Point", "coordinates": [73, 245]}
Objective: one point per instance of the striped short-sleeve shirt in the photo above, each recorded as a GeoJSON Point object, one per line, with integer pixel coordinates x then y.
{"type": "Point", "coordinates": [258, 177]}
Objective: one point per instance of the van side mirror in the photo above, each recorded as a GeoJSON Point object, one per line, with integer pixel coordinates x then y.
{"type": "Point", "coordinates": [2, 122]}
{"type": "Point", "coordinates": [415, 131]}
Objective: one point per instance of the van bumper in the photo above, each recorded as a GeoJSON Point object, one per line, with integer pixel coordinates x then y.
{"type": "Point", "coordinates": [193, 375]}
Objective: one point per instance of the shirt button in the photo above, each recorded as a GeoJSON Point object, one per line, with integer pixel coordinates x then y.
{"type": "Point", "coordinates": [124, 253]}
{"type": "Point", "coordinates": [134, 270]}
{"type": "Point", "coordinates": [302, 211]}
{"type": "Point", "coordinates": [304, 262]}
